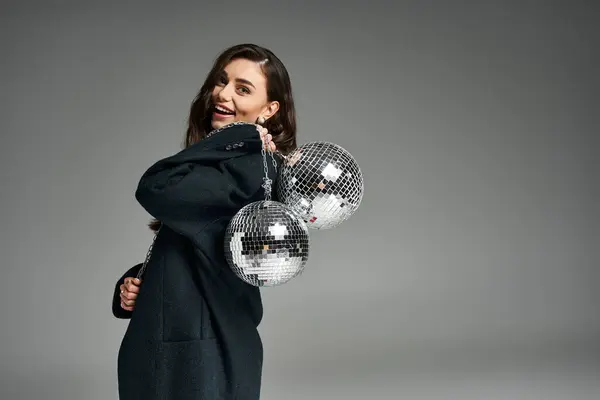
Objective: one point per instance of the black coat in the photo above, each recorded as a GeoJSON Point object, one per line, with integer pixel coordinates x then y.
{"type": "Point", "coordinates": [193, 333]}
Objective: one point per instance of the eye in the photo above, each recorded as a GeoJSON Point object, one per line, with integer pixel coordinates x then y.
{"type": "Point", "coordinates": [244, 90]}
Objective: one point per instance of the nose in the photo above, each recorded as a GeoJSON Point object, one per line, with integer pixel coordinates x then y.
{"type": "Point", "coordinates": [224, 95]}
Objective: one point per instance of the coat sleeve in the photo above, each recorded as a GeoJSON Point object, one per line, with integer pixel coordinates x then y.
{"type": "Point", "coordinates": [117, 310]}
{"type": "Point", "coordinates": [195, 187]}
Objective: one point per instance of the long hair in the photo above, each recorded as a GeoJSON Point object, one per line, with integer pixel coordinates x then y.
{"type": "Point", "coordinates": [282, 125]}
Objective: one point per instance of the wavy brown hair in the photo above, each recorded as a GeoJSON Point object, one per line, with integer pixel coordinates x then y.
{"type": "Point", "coordinates": [282, 125]}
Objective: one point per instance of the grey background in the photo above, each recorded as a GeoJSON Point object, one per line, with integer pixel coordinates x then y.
{"type": "Point", "coordinates": [471, 269]}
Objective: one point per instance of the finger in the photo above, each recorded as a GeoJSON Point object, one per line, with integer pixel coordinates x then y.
{"type": "Point", "coordinates": [132, 281]}
{"type": "Point", "coordinates": [125, 307]}
{"type": "Point", "coordinates": [126, 294]}
{"type": "Point", "coordinates": [128, 302]}
{"type": "Point", "coordinates": [133, 288]}
{"type": "Point", "coordinates": [131, 284]}
{"type": "Point", "coordinates": [267, 138]}
{"type": "Point", "coordinates": [129, 295]}
{"type": "Point", "coordinates": [270, 144]}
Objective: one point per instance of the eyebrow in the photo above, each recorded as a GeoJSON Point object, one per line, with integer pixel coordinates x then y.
{"type": "Point", "coordinates": [247, 82]}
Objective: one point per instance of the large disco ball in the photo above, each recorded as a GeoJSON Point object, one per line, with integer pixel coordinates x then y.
{"type": "Point", "coordinates": [266, 244]}
{"type": "Point", "coordinates": [322, 183]}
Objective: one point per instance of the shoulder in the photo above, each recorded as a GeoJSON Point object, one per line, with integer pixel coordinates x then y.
{"type": "Point", "coordinates": [248, 172]}
{"type": "Point", "coordinates": [237, 138]}
{"type": "Point", "coordinates": [248, 164]}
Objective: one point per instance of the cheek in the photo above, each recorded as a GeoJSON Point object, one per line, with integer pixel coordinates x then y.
{"type": "Point", "coordinates": [248, 108]}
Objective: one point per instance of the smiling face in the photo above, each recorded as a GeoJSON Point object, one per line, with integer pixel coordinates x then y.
{"type": "Point", "coordinates": [249, 82]}
{"type": "Point", "coordinates": [241, 95]}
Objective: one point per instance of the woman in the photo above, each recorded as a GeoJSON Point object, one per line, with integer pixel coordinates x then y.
{"type": "Point", "coordinates": [193, 324]}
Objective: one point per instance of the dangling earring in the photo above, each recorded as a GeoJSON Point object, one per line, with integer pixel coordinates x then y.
{"type": "Point", "coordinates": [260, 120]}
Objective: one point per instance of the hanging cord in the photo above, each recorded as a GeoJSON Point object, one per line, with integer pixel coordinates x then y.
{"type": "Point", "coordinates": [148, 254]}
{"type": "Point", "coordinates": [267, 182]}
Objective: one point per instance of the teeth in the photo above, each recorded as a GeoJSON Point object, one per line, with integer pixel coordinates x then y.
{"type": "Point", "coordinates": [223, 110]}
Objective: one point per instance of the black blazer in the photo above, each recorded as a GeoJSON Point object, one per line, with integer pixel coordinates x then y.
{"type": "Point", "coordinates": [193, 333]}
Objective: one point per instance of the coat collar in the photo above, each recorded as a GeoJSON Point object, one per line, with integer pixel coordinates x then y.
{"type": "Point", "coordinates": [233, 133]}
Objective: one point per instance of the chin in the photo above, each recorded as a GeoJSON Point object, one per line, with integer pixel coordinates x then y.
{"type": "Point", "coordinates": [219, 124]}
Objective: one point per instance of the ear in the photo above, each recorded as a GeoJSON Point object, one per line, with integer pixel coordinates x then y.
{"type": "Point", "coordinates": [270, 109]}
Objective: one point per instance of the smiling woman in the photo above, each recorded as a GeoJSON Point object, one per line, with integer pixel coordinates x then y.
{"type": "Point", "coordinates": [193, 330]}
{"type": "Point", "coordinates": [249, 84]}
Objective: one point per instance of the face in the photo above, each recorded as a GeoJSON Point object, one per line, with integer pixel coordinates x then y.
{"type": "Point", "coordinates": [241, 95]}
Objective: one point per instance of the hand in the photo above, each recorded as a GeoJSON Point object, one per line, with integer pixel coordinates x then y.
{"type": "Point", "coordinates": [267, 139]}
{"type": "Point", "coordinates": [129, 293]}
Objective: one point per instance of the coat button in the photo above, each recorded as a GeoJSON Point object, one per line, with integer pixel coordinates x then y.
{"type": "Point", "coordinates": [228, 147]}
{"type": "Point", "coordinates": [240, 144]}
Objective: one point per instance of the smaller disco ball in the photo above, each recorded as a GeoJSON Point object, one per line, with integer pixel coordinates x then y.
{"type": "Point", "coordinates": [266, 244]}
{"type": "Point", "coordinates": [322, 183]}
